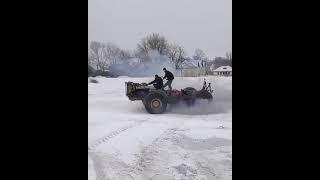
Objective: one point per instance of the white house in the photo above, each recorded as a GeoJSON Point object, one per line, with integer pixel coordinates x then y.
{"type": "Point", "coordinates": [223, 71]}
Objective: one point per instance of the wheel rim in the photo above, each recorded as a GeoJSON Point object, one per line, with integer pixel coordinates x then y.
{"type": "Point", "coordinates": [156, 103]}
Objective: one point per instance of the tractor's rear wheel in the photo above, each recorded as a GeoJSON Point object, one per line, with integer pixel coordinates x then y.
{"type": "Point", "coordinates": [155, 103]}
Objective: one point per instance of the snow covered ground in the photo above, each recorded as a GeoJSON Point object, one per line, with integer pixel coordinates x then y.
{"type": "Point", "coordinates": [125, 142]}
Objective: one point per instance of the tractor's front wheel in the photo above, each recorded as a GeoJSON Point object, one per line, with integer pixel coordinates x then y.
{"type": "Point", "coordinates": [191, 92]}
{"type": "Point", "coordinates": [203, 94]}
{"type": "Point", "coordinates": [155, 103]}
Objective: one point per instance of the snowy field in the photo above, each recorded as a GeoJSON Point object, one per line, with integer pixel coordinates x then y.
{"type": "Point", "coordinates": [125, 142]}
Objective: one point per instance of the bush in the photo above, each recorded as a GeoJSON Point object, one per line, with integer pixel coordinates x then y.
{"type": "Point", "coordinates": [93, 81]}
{"type": "Point", "coordinates": [90, 71]}
{"type": "Point", "coordinates": [103, 73]}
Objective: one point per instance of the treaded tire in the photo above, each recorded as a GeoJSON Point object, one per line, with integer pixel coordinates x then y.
{"type": "Point", "coordinates": [191, 92]}
{"type": "Point", "coordinates": [155, 103]}
{"type": "Point", "coordinates": [203, 94]}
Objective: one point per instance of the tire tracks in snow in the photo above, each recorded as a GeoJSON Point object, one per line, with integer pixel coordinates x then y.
{"type": "Point", "coordinates": [154, 162]}
{"type": "Point", "coordinates": [108, 167]}
{"type": "Point", "coordinates": [97, 163]}
{"type": "Point", "coordinates": [93, 145]}
{"type": "Point", "coordinates": [146, 156]}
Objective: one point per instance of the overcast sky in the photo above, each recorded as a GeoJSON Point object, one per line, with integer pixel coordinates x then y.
{"type": "Point", "coordinates": [204, 24]}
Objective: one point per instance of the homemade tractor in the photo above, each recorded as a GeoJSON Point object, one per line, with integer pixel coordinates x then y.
{"type": "Point", "coordinates": [155, 101]}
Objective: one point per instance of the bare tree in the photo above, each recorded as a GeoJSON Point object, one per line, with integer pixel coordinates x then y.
{"type": "Point", "coordinates": [125, 55]}
{"type": "Point", "coordinates": [177, 55]}
{"type": "Point", "coordinates": [153, 42]}
{"type": "Point", "coordinates": [90, 57]}
{"type": "Point", "coordinates": [111, 54]}
{"type": "Point", "coordinates": [95, 54]}
{"type": "Point", "coordinates": [229, 55]}
{"type": "Point", "coordinates": [143, 56]}
{"type": "Point", "coordinates": [103, 55]}
{"type": "Point", "coordinates": [202, 59]}
{"type": "Point", "coordinates": [199, 55]}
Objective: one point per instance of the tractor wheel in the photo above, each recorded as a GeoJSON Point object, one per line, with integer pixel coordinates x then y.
{"type": "Point", "coordinates": [144, 101]}
{"type": "Point", "coordinates": [190, 90]}
{"type": "Point", "coordinates": [192, 93]}
{"type": "Point", "coordinates": [203, 94]}
{"type": "Point", "coordinates": [155, 103]}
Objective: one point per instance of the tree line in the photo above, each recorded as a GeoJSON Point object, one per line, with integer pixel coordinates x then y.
{"type": "Point", "coordinates": [103, 55]}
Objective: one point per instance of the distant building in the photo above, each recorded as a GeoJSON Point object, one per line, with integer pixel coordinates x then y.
{"type": "Point", "coordinates": [222, 71]}
{"type": "Point", "coordinates": [218, 62]}
{"type": "Point", "coordinates": [192, 68]}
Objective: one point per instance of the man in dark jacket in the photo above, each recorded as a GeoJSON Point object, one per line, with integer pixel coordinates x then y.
{"type": "Point", "coordinates": [157, 82]}
{"type": "Point", "coordinates": [169, 76]}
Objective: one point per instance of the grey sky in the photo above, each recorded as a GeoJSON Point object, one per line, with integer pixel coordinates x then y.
{"type": "Point", "coordinates": [204, 24]}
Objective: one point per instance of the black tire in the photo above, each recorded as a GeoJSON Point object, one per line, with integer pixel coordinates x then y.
{"type": "Point", "coordinates": [203, 94]}
{"type": "Point", "coordinates": [144, 101]}
{"type": "Point", "coordinates": [193, 93]}
{"type": "Point", "coordinates": [155, 103]}
{"type": "Point", "coordinates": [190, 91]}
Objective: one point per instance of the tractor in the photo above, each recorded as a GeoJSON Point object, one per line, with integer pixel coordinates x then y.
{"type": "Point", "coordinates": [155, 100]}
